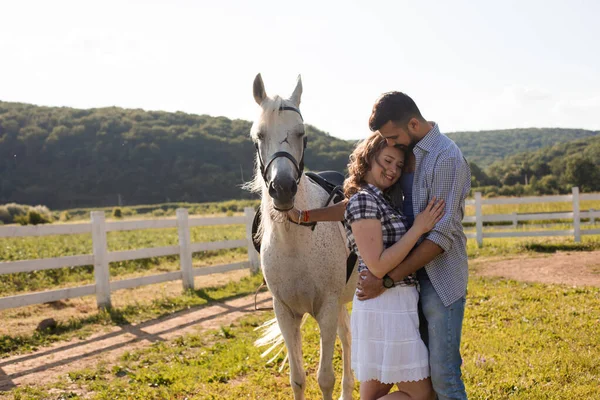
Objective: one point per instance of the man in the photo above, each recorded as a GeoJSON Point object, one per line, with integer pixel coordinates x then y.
{"type": "Point", "coordinates": [440, 170]}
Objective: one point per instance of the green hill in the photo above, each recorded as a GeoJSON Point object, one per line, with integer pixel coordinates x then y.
{"type": "Point", "coordinates": [66, 158]}
{"type": "Point", "coordinates": [485, 147]}
{"type": "Point", "coordinates": [553, 169]}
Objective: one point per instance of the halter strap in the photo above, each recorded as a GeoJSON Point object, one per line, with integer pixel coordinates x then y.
{"type": "Point", "coordinates": [299, 166]}
{"type": "Point", "coordinates": [288, 108]}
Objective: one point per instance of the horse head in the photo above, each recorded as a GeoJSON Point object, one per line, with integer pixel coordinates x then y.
{"type": "Point", "coordinates": [280, 140]}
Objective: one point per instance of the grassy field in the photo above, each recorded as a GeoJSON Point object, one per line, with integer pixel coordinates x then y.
{"type": "Point", "coordinates": [520, 341]}
{"type": "Point", "coordinates": [532, 208]}
{"type": "Point", "coordinates": [12, 249]}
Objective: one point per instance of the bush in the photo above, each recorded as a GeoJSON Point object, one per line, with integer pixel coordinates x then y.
{"type": "Point", "coordinates": [64, 216]}
{"type": "Point", "coordinates": [127, 212]}
{"type": "Point", "coordinates": [35, 218]}
{"type": "Point", "coordinates": [44, 211]}
{"type": "Point", "coordinates": [159, 212]}
{"type": "Point", "coordinates": [5, 216]}
{"type": "Point", "coordinates": [117, 213]}
{"type": "Point", "coordinates": [16, 210]}
{"type": "Point", "coordinates": [32, 217]}
{"type": "Point", "coordinates": [19, 213]}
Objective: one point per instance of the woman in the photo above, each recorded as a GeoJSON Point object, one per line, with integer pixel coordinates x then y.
{"type": "Point", "coordinates": [386, 345]}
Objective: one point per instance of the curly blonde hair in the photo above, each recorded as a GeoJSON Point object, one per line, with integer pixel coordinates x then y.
{"type": "Point", "coordinates": [360, 162]}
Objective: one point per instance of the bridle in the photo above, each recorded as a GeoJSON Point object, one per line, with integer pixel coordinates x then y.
{"type": "Point", "coordinates": [299, 166]}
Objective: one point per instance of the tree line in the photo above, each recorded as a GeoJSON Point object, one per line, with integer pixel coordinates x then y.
{"type": "Point", "coordinates": [65, 158]}
{"type": "Point", "coordinates": [550, 170]}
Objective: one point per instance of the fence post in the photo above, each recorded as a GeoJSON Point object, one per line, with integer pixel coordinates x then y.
{"type": "Point", "coordinates": [185, 251]}
{"type": "Point", "coordinates": [253, 256]}
{"type": "Point", "coordinates": [515, 220]}
{"type": "Point", "coordinates": [478, 219]}
{"type": "Point", "coordinates": [576, 217]}
{"type": "Point", "coordinates": [592, 216]}
{"type": "Point", "coordinates": [101, 271]}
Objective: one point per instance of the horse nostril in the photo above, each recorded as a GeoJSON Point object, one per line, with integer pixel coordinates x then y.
{"type": "Point", "coordinates": [294, 188]}
{"type": "Point", "coordinates": [272, 191]}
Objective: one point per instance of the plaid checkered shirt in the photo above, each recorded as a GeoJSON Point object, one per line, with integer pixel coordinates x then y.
{"type": "Point", "coordinates": [371, 203]}
{"type": "Point", "coordinates": [442, 171]}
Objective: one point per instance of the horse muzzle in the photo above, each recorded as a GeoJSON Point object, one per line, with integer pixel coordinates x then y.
{"type": "Point", "coordinates": [282, 190]}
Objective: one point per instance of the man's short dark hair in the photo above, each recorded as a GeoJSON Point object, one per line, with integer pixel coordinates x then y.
{"type": "Point", "coordinates": [393, 106]}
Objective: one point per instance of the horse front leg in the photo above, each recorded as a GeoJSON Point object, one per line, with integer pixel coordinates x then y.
{"type": "Point", "coordinates": [327, 318]}
{"type": "Point", "coordinates": [289, 324]}
{"type": "Point", "coordinates": [343, 331]}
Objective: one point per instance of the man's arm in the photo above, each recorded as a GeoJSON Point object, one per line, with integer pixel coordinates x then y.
{"type": "Point", "coordinates": [451, 182]}
{"type": "Point", "coordinates": [422, 255]}
{"type": "Point", "coordinates": [370, 286]}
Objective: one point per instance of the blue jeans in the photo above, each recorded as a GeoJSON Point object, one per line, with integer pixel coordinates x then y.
{"type": "Point", "coordinates": [441, 328]}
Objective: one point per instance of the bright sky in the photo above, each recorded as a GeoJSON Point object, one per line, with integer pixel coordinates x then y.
{"type": "Point", "coordinates": [469, 65]}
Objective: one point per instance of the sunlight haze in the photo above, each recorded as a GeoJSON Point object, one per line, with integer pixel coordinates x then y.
{"type": "Point", "coordinates": [468, 65]}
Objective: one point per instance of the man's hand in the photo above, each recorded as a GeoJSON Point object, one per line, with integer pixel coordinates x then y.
{"type": "Point", "coordinates": [369, 286]}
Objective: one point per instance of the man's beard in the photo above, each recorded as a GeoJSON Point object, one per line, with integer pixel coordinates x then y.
{"type": "Point", "coordinates": [413, 142]}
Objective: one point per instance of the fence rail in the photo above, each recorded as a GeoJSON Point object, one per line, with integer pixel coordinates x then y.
{"type": "Point", "coordinates": [101, 257]}
{"type": "Point", "coordinates": [576, 215]}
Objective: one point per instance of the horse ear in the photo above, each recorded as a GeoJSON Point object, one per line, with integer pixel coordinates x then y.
{"type": "Point", "coordinates": [295, 97]}
{"type": "Point", "coordinates": [259, 90]}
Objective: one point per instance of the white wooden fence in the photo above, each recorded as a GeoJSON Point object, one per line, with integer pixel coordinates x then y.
{"type": "Point", "coordinates": [101, 257]}
{"type": "Point", "coordinates": [576, 215]}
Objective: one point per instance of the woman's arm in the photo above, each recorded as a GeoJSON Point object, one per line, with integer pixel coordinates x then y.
{"type": "Point", "coordinates": [369, 239]}
{"type": "Point", "coordinates": [333, 212]}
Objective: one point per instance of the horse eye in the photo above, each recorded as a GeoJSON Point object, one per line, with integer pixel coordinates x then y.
{"type": "Point", "coordinates": [300, 134]}
{"type": "Point", "coordinates": [260, 136]}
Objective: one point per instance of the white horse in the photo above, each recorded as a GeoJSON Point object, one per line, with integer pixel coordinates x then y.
{"type": "Point", "coordinates": [305, 269]}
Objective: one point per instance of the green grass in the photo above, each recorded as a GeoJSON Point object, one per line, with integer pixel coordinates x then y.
{"type": "Point", "coordinates": [520, 341]}
{"type": "Point", "coordinates": [13, 249]}
{"type": "Point", "coordinates": [81, 327]}
{"type": "Point", "coordinates": [502, 247]}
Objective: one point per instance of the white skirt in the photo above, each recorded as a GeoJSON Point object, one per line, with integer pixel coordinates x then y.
{"type": "Point", "coordinates": [386, 343]}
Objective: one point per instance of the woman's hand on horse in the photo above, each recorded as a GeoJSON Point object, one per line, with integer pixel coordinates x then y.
{"type": "Point", "coordinates": [294, 215]}
{"type": "Point", "coordinates": [431, 215]}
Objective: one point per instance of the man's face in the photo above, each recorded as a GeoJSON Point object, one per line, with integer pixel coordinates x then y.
{"type": "Point", "coordinates": [396, 135]}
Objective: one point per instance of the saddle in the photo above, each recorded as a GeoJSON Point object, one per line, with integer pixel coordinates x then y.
{"type": "Point", "coordinates": [332, 182]}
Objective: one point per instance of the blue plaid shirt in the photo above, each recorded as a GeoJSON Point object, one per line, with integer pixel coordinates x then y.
{"type": "Point", "coordinates": [442, 171]}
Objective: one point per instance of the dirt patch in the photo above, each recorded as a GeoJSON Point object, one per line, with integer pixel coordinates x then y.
{"type": "Point", "coordinates": [105, 348]}
{"type": "Point", "coordinates": [24, 320]}
{"type": "Point", "coordinates": [573, 269]}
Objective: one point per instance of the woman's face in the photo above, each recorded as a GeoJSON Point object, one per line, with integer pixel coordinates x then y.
{"type": "Point", "coordinates": [386, 168]}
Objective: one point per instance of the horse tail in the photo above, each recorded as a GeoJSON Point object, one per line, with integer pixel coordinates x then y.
{"type": "Point", "coordinates": [271, 335]}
